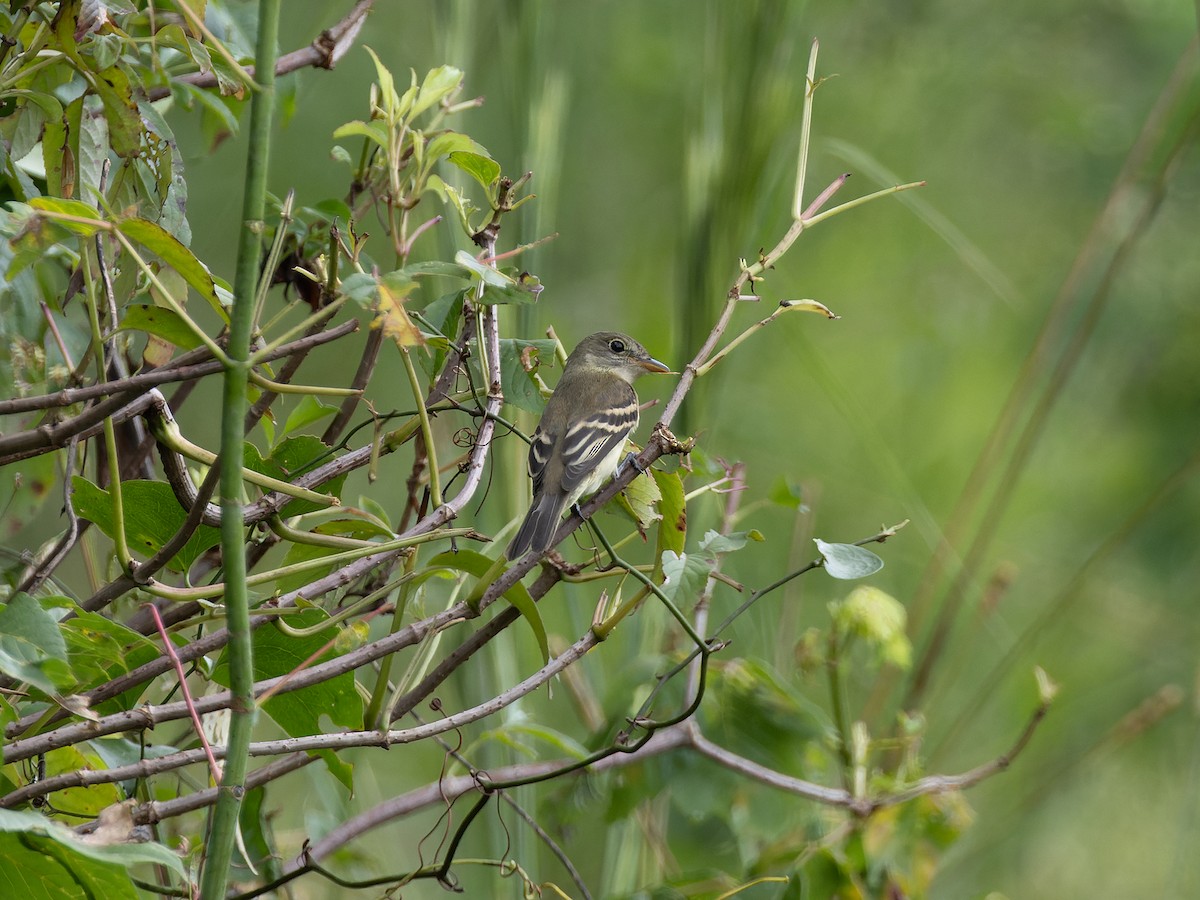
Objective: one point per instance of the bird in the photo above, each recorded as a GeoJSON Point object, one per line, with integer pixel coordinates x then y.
{"type": "Point", "coordinates": [579, 441]}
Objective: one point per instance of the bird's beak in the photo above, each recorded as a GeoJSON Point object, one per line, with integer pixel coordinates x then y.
{"type": "Point", "coordinates": [653, 365]}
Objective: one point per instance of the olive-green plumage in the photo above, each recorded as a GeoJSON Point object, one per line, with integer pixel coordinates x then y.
{"type": "Point", "coordinates": [578, 443]}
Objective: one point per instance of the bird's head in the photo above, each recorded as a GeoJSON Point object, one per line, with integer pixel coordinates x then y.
{"type": "Point", "coordinates": [615, 352]}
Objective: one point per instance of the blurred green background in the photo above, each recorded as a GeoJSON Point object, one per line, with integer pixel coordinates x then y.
{"type": "Point", "coordinates": [663, 136]}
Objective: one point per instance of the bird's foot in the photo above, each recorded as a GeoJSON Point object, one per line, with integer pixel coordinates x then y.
{"type": "Point", "coordinates": [629, 460]}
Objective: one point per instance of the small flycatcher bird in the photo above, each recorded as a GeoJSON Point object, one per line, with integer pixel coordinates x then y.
{"type": "Point", "coordinates": [579, 441]}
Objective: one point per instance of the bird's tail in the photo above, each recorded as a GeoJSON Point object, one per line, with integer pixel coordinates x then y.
{"type": "Point", "coordinates": [537, 531]}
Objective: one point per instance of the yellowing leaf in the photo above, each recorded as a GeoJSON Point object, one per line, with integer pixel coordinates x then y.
{"type": "Point", "coordinates": [391, 316]}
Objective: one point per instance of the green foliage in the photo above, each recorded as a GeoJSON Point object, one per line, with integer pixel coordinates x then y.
{"type": "Point", "coordinates": [520, 366]}
{"type": "Point", "coordinates": [424, 237]}
{"type": "Point", "coordinates": [878, 618]}
{"type": "Point", "coordinates": [99, 650]}
{"type": "Point", "coordinates": [485, 569]}
{"type": "Point", "coordinates": [288, 459]}
{"type": "Point", "coordinates": [848, 561]}
{"type": "Point", "coordinates": [42, 859]}
{"type": "Point", "coordinates": [278, 653]}
{"type": "Point", "coordinates": [31, 648]}
{"type": "Point", "coordinates": [151, 517]}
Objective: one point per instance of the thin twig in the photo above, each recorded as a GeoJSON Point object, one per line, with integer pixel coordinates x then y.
{"type": "Point", "coordinates": [169, 649]}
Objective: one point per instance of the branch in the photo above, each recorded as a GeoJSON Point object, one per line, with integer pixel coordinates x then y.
{"type": "Point", "coordinates": [325, 52]}
{"type": "Point", "coordinates": [158, 810]}
{"type": "Point", "coordinates": [751, 769]}
{"type": "Point", "coordinates": [187, 367]}
{"type": "Point", "coordinates": [450, 788]}
{"type": "Point", "coordinates": [940, 784]}
{"type": "Point", "coordinates": [464, 651]}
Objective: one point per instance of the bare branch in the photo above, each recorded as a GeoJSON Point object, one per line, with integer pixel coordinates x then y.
{"type": "Point", "coordinates": [186, 367]}
{"type": "Point", "coordinates": [940, 784]}
{"type": "Point", "coordinates": [325, 52]}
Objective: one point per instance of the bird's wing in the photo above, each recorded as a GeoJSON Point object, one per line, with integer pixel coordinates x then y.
{"type": "Point", "coordinates": [541, 448]}
{"type": "Point", "coordinates": [590, 440]}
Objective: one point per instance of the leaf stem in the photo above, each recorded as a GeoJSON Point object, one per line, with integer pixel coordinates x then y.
{"type": "Point", "coordinates": [280, 387]}
{"type": "Point", "coordinates": [210, 591]}
{"type": "Point", "coordinates": [169, 435]}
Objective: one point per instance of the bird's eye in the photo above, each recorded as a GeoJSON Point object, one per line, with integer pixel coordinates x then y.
{"type": "Point", "coordinates": [616, 346]}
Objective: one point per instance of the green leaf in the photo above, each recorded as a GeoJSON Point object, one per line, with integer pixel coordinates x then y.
{"type": "Point", "coordinates": [474, 563]}
{"type": "Point", "coordinates": [449, 142]}
{"type": "Point", "coordinates": [439, 83]}
{"type": "Point", "coordinates": [48, 102]}
{"type": "Point", "coordinates": [99, 650]}
{"type": "Point", "coordinates": [30, 835]}
{"type": "Point", "coordinates": [374, 508]}
{"type": "Point", "coordinates": [726, 543]}
{"type": "Point", "coordinates": [462, 206]}
{"type": "Point", "coordinates": [217, 118]}
{"type": "Point", "coordinates": [57, 158]}
{"type": "Point", "coordinates": [685, 575]}
{"type": "Point", "coordinates": [432, 267]}
{"type": "Point", "coordinates": [523, 288]}
{"type": "Point", "coordinates": [672, 527]}
{"type": "Point", "coordinates": [105, 49]}
{"type": "Point", "coordinates": [160, 322]}
{"type": "Point", "coordinates": [362, 288]}
{"type": "Point", "coordinates": [785, 493]}
{"type": "Point", "coordinates": [57, 875]}
{"type": "Point", "coordinates": [32, 649]}
{"type": "Point", "coordinates": [290, 459]}
{"type": "Point", "coordinates": [69, 208]}
{"type": "Point", "coordinates": [24, 489]}
{"type": "Point", "coordinates": [86, 801]}
{"type": "Point", "coordinates": [374, 131]}
{"type": "Point", "coordinates": [256, 819]}
{"type": "Point", "coordinates": [443, 313]}
{"type": "Point", "coordinates": [152, 517]}
{"type": "Point", "coordinates": [88, 132]}
{"type": "Point", "coordinates": [847, 561]}
{"type": "Point", "coordinates": [124, 123]}
{"type": "Point", "coordinates": [300, 713]}
{"type": "Point", "coordinates": [298, 553]}
{"type": "Point", "coordinates": [388, 97]}
{"type": "Point", "coordinates": [640, 501]}
{"type": "Point", "coordinates": [171, 251]}
{"type": "Point", "coordinates": [363, 527]}
{"type": "Point", "coordinates": [482, 168]}
{"type": "Point", "coordinates": [24, 137]}
{"type": "Point", "coordinates": [168, 204]}
{"type": "Point", "coordinates": [307, 411]}
{"type": "Point", "coordinates": [520, 386]}
{"type": "Point", "coordinates": [485, 273]}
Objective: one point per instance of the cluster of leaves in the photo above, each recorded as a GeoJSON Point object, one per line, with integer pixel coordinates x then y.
{"type": "Point", "coordinates": [99, 286]}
